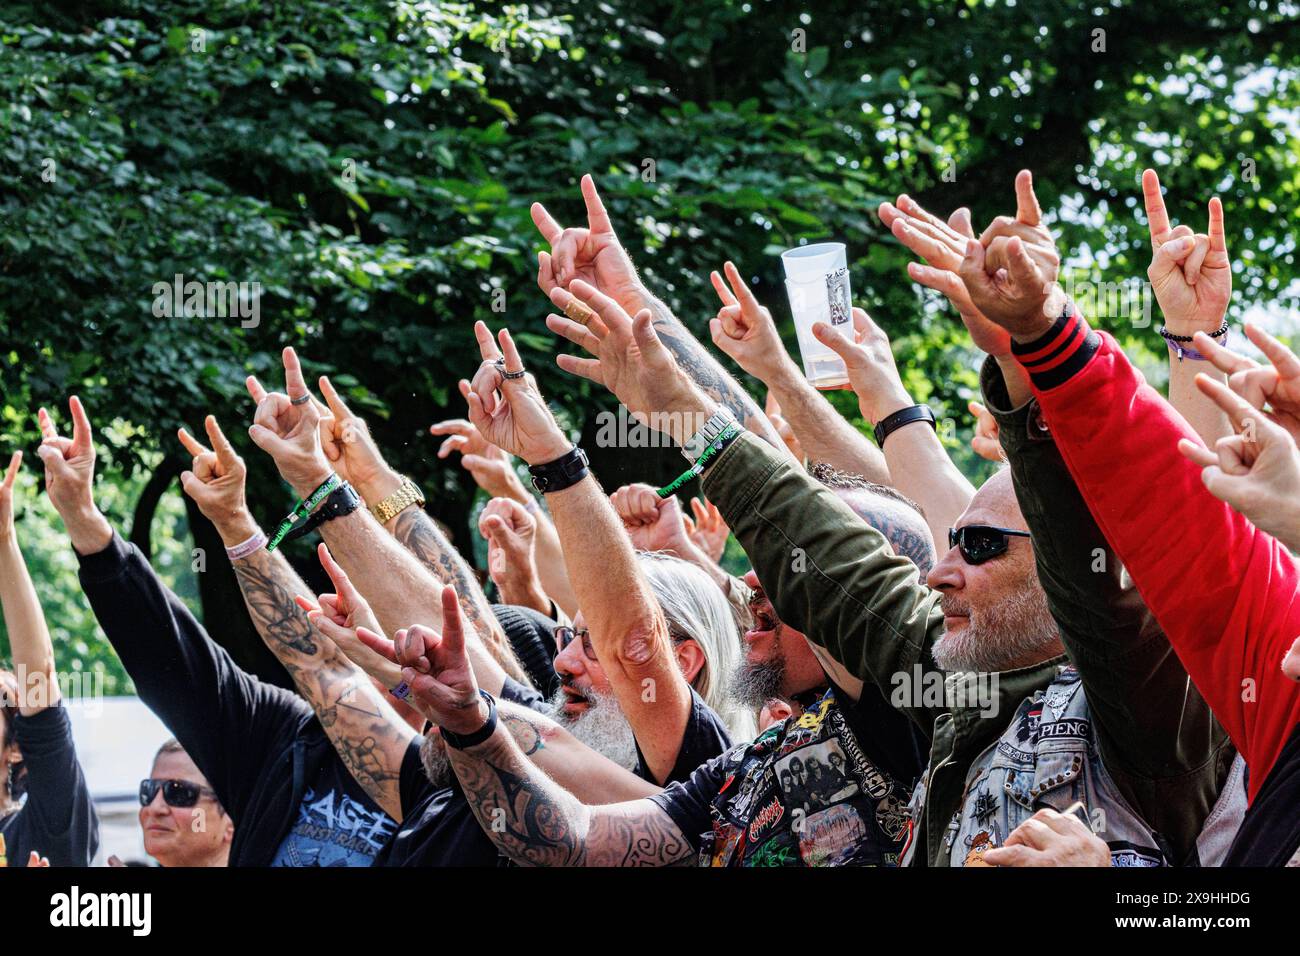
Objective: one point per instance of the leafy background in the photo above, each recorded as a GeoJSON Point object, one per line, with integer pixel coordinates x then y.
{"type": "Point", "coordinates": [216, 139]}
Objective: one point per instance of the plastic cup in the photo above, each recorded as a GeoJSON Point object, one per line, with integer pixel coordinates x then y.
{"type": "Point", "coordinates": [817, 282]}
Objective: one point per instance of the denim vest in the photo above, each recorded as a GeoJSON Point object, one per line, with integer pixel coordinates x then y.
{"type": "Point", "coordinates": [1046, 757]}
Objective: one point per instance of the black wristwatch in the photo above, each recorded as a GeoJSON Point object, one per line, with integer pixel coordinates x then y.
{"type": "Point", "coordinates": [460, 742]}
{"type": "Point", "coordinates": [891, 423]}
{"type": "Point", "coordinates": [342, 501]}
{"type": "Point", "coordinates": [566, 471]}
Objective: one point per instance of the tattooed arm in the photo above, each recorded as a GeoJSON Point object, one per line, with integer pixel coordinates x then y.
{"type": "Point", "coordinates": [535, 822]}
{"type": "Point", "coordinates": [417, 532]}
{"type": "Point", "coordinates": [367, 732]}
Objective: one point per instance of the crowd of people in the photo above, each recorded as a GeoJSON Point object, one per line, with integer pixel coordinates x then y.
{"type": "Point", "coordinates": [1090, 660]}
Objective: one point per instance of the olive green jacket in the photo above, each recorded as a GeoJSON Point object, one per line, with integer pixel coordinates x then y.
{"type": "Point", "coordinates": [836, 579]}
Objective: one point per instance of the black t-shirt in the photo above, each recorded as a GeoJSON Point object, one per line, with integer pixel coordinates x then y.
{"type": "Point", "coordinates": [58, 820]}
{"type": "Point", "coordinates": [1270, 830]}
{"type": "Point", "coordinates": [815, 790]}
{"type": "Point", "coordinates": [337, 823]}
{"type": "Point", "coordinates": [438, 827]}
{"type": "Point", "coordinates": [705, 738]}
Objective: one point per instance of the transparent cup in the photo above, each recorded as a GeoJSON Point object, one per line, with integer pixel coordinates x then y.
{"type": "Point", "coordinates": [817, 282]}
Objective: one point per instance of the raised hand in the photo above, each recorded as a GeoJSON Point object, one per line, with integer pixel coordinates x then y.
{"type": "Point", "coordinates": [7, 496]}
{"type": "Point", "coordinates": [629, 360]}
{"type": "Point", "coordinates": [943, 246]}
{"type": "Point", "coordinates": [653, 523]}
{"type": "Point", "coordinates": [707, 530]}
{"type": "Point", "coordinates": [345, 439]}
{"type": "Point", "coordinates": [511, 534]}
{"type": "Point", "coordinates": [772, 411]}
{"type": "Point", "coordinates": [343, 616]}
{"type": "Point", "coordinates": [489, 466]}
{"type": "Point", "coordinates": [1256, 470]}
{"type": "Point", "coordinates": [215, 482]}
{"type": "Point", "coordinates": [1027, 226]}
{"type": "Point", "coordinates": [509, 412]}
{"type": "Point", "coordinates": [873, 376]}
{"type": "Point", "coordinates": [744, 330]}
{"type": "Point", "coordinates": [1190, 273]}
{"type": "Point", "coordinates": [593, 254]}
{"type": "Point", "coordinates": [1276, 386]}
{"type": "Point", "coordinates": [985, 442]}
{"type": "Point", "coordinates": [69, 462]}
{"type": "Point", "coordinates": [289, 431]}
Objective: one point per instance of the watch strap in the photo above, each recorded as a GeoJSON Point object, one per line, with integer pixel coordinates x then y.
{"type": "Point", "coordinates": [564, 472]}
{"type": "Point", "coordinates": [913, 413]}
{"type": "Point", "coordinates": [401, 499]}
{"type": "Point", "coordinates": [342, 501]}
{"type": "Point", "coordinates": [461, 741]}
{"type": "Point", "coordinates": [698, 443]}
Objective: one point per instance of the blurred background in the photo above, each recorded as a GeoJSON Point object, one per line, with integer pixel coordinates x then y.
{"type": "Point", "coordinates": [370, 165]}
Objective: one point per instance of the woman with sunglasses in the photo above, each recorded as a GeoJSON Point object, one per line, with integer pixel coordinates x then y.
{"type": "Point", "coordinates": [182, 821]}
{"type": "Point", "coordinates": [38, 761]}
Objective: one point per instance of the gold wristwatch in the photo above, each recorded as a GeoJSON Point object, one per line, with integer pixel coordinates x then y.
{"type": "Point", "coordinates": [401, 499]}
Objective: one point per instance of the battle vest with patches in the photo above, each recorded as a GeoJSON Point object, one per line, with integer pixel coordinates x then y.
{"type": "Point", "coordinates": [805, 794]}
{"type": "Point", "coordinates": [1047, 757]}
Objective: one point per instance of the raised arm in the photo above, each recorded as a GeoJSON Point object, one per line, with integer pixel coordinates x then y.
{"type": "Point", "coordinates": [1191, 277]}
{"type": "Point", "coordinates": [628, 630]}
{"type": "Point", "coordinates": [29, 637]}
{"type": "Point", "coordinates": [595, 256]}
{"type": "Point", "coordinates": [397, 585]}
{"type": "Point", "coordinates": [744, 330]}
{"type": "Point", "coordinates": [1224, 592]}
{"type": "Point", "coordinates": [531, 818]}
{"type": "Point", "coordinates": [827, 572]}
{"type": "Point", "coordinates": [369, 735]}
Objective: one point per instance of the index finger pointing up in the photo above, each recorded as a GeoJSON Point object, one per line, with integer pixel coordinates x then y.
{"type": "Point", "coordinates": [255, 389]}
{"type": "Point", "coordinates": [545, 223]}
{"type": "Point", "coordinates": [486, 346]}
{"type": "Point", "coordinates": [220, 443]}
{"type": "Point", "coordinates": [1027, 209]}
{"type": "Point", "coordinates": [192, 444]}
{"type": "Point", "coordinates": [1157, 216]}
{"type": "Point", "coordinates": [1217, 241]}
{"type": "Point", "coordinates": [336, 404]}
{"type": "Point", "coordinates": [15, 460]}
{"type": "Point", "coordinates": [740, 287]}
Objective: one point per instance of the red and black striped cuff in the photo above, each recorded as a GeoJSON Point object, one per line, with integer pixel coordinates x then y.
{"type": "Point", "coordinates": [1056, 355]}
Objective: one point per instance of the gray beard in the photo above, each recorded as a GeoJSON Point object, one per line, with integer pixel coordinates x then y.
{"type": "Point", "coordinates": [437, 765]}
{"type": "Point", "coordinates": [602, 726]}
{"type": "Point", "coordinates": [1016, 629]}
{"type": "Point", "coordinates": [753, 684]}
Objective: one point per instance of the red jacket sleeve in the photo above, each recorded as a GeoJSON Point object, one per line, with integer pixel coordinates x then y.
{"type": "Point", "coordinates": [1224, 591]}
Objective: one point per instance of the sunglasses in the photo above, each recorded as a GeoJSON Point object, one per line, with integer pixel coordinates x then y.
{"type": "Point", "coordinates": [565, 635]}
{"type": "Point", "coordinates": [176, 793]}
{"type": "Point", "coordinates": [979, 543]}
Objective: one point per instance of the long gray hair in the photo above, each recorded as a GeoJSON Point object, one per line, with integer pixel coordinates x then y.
{"type": "Point", "coordinates": [696, 608]}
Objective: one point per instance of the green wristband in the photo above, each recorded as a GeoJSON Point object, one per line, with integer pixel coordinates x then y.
{"type": "Point", "coordinates": [712, 451]}
{"type": "Point", "coordinates": [302, 509]}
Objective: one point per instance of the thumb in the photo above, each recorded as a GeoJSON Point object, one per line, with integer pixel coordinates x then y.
{"type": "Point", "coordinates": [267, 440]}
{"type": "Point", "coordinates": [972, 269]}
{"type": "Point", "coordinates": [190, 483]}
{"type": "Point", "coordinates": [852, 354]}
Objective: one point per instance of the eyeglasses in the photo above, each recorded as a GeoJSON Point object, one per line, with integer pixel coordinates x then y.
{"type": "Point", "coordinates": [176, 793]}
{"type": "Point", "coordinates": [565, 635]}
{"type": "Point", "coordinates": [979, 543]}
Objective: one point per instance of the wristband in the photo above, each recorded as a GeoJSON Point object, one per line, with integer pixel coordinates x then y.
{"type": "Point", "coordinates": [462, 741]}
{"type": "Point", "coordinates": [698, 443]}
{"type": "Point", "coordinates": [342, 501]}
{"type": "Point", "coordinates": [565, 472]}
{"type": "Point", "coordinates": [891, 423]}
{"type": "Point", "coordinates": [245, 548]}
{"type": "Point", "coordinates": [401, 499]}
{"type": "Point", "coordinates": [1175, 343]}
{"type": "Point", "coordinates": [302, 509]}
{"type": "Point", "coordinates": [729, 434]}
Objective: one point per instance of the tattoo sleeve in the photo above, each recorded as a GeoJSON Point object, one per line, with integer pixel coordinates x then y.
{"type": "Point", "coordinates": [417, 532]}
{"type": "Point", "coordinates": [535, 822]}
{"type": "Point", "coordinates": [709, 375]}
{"type": "Point", "coordinates": [369, 736]}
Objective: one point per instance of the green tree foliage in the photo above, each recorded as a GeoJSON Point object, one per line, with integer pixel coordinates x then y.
{"type": "Point", "coordinates": [371, 164]}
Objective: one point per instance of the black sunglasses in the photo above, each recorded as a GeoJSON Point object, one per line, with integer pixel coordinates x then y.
{"type": "Point", "coordinates": [176, 793]}
{"type": "Point", "coordinates": [979, 543]}
{"type": "Point", "coordinates": [565, 635]}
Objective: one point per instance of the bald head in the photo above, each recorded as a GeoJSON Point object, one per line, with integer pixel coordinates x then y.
{"type": "Point", "coordinates": [996, 503]}
{"type": "Point", "coordinates": [894, 515]}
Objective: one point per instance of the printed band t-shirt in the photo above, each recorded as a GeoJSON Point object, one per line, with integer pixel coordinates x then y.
{"type": "Point", "coordinates": [803, 793]}
{"type": "Point", "coordinates": [337, 824]}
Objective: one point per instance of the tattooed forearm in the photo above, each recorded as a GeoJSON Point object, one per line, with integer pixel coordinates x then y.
{"type": "Point", "coordinates": [710, 376]}
{"type": "Point", "coordinates": [282, 624]}
{"type": "Point", "coordinates": [537, 823]}
{"type": "Point", "coordinates": [417, 532]}
{"type": "Point", "coordinates": [369, 737]}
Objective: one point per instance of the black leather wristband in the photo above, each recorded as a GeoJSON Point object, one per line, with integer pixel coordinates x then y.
{"type": "Point", "coordinates": [461, 741]}
{"type": "Point", "coordinates": [891, 423]}
{"type": "Point", "coordinates": [343, 500]}
{"type": "Point", "coordinates": [565, 472]}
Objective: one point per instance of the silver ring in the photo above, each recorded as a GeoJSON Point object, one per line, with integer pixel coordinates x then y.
{"type": "Point", "coordinates": [301, 401]}
{"type": "Point", "coordinates": [501, 367]}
